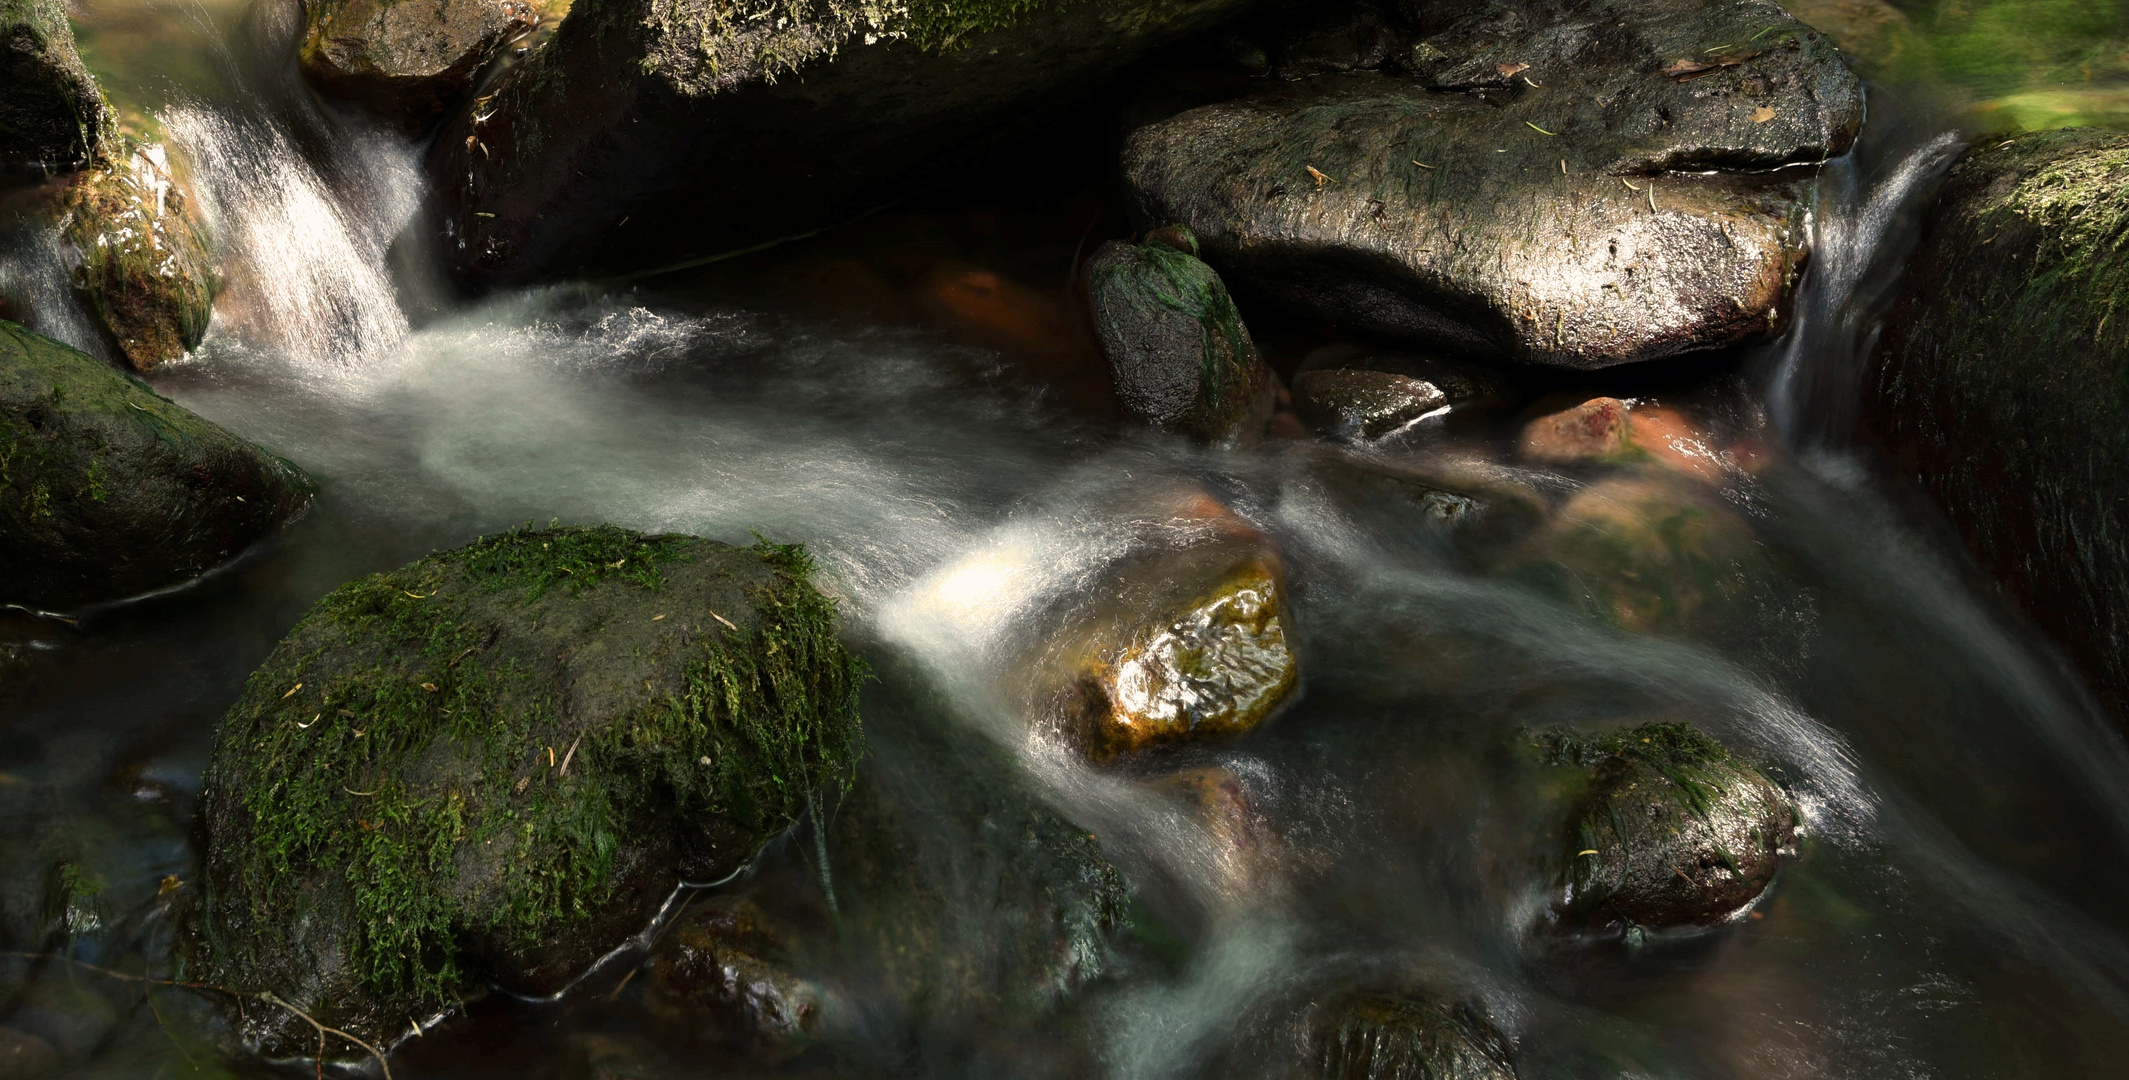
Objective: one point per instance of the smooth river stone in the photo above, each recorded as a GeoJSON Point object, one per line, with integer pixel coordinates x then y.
{"type": "Point", "coordinates": [1577, 189]}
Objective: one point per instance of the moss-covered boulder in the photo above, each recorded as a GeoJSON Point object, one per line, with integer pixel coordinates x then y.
{"type": "Point", "coordinates": [1179, 357]}
{"type": "Point", "coordinates": [1675, 831]}
{"type": "Point", "coordinates": [2002, 383]}
{"type": "Point", "coordinates": [108, 491]}
{"type": "Point", "coordinates": [1394, 1037]}
{"type": "Point", "coordinates": [409, 60]}
{"type": "Point", "coordinates": [1572, 185]}
{"type": "Point", "coordinates": [649, 132]}
{"type": "Point", "coordinates": [52, 114]}
{"type": "Point", "coordinates": [147, 267]}
{"type": "Point", "coordinates": [491, 766]}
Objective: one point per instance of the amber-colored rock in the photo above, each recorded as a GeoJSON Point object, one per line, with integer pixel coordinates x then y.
{"type": "Point", "coordinates": [1590, 431]}
{"type": "Point", "coordinates": [1218, 667]}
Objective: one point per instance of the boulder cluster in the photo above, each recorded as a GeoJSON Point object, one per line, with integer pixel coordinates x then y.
{"type": "Point", "coordinates": [500, 766]}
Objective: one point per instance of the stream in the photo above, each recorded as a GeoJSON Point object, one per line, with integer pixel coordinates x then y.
{"type": "Point", "coordinates": [1955, 910]}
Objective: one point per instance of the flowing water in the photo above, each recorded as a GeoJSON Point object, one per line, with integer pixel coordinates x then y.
{"type": "Point", "coordinates": [1955, 911]}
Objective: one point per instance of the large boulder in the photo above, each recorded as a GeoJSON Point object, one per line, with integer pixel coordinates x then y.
{"type": "Point", "coordinates": [647, 133]}
{"type": "Point", "coordinates": [409, 60]}
{"type": "Point", "coordinates": [2002, 375]}
{"type": "Point", "coordinates": [1674, 832]}
{"type": "Point", "coordinates": [52, 113]}
{"type": "Point", "coordinates": [493, 764]}
{"type": "Point", "coordinates": [1573, 185]}
{"type": "Point", "coordinates": [147, 267]}
{"type": "Point", "coordinates": [1179, 357]}
{"type": "Point", "coordinates": [108, 490]}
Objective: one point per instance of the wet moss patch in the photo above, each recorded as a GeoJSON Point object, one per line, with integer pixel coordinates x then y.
{"type": "Point", "coordinates": [486, 764]}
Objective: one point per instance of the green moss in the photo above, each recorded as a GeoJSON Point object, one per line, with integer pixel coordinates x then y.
{"type": "Point", "coordinates": [1165, 277]}
{"type": "Point", "coordinates": [777, 37]}
{"type": "Point", "coordinates": [437, 748]}
{"type": "Point", "coordinates": [1700, 771]}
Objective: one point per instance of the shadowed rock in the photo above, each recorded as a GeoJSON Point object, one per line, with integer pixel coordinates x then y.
{"type": "Point", "coordinates": [1532, 189]}
{"type": "Point", "coordinates": [52, 113]}
{"type": "Point", "coordinates": [628, 140]}
{"type": "Point", "coordinates": [1380, 1037]}
{"type": "Point", "coordinates": [1179, 356]}
{"type": "Point", "coordinates": [494, 763]}
{"type": "Point", "coordinates": [1674, 832]}
{"type": "Point", "coordinates": [108, 491]}
{"type": "Point", "coordinates": [2000, 376]}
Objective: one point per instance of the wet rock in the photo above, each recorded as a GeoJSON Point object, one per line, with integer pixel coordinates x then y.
{"type": "Point", "coordinates": [626, 139]}
{"type": "Point", "coordinates": [1401, 1038]}
{"type": "Point", "coordinates": [1363, 405]}
{"type": "Point", "coordinates": [1217, 664]}
{"type": "Point", "coordinates": [147, 268]}
{"type": "Point", "coordinates": [1873, 35]}
{"type": "Point", "coordinates": [108, 491]}
{"type": "Point", "coordinates": [720, 968]}
{"type": "Point", "coordinates": [1994, 382]}
{"type": "Point", "coordinates": [1469, 505]}
{"type": "Point", "coordinates": [409, 60]}
{"type": "Point", "coordinates": [52, 114]}
{"type": "Point", "coordinates": [953, 902]}
{"type": "Point", "coordinates": [1534, 190]}
{"type": "Point", "coordinates": [1240, 841]}
{"type": "Point", "coordinates": [1591, 431]}
{"type": "Point", "coordinates": [1675, 831]}
{"type": "Point", "coordinates": [491, 765]}
{"type": "Point", "coordinates": [1649, 554]}
{"type": "Point", "coordinates": [1178, 353]}
{"type": "Point", "coordinates": [1336, 37]}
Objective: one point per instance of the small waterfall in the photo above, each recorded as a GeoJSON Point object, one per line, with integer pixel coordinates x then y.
{"type": "Point", "coordinates": [1860, 233]}
{"type": "Point", "coordinates": [306, 261]}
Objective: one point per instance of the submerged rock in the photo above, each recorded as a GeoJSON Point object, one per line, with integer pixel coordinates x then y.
{"type": "Point", "coordinates": [1649, 554]}
{"type": "Point", "coordinates": [953, 902]}
{"type": "Point", "coordinates": [147, 268]}
{"type": "Point", "coordinates": [1674, 832]}
{"type": "Point", "coordinates": [109, 491]}
{"type": "Point", "coordinates": [1592, 431]}
{"type": "Point", "coordinates": [492, 764]}
{"type": "Point", "coordinates": [409, 60]}
{"type": "Point", "coordinates": [52, 114]}
{"type": "Point", "coordinates": [647, 133]}
{"type": "Point", "coordinates": [1363, 405]}
{"type": "Point", "coordinates": [1178, 353]}
{"type": "Point", "coordinates": [1217, 664]}
{"type": "Point", "coordinates": [1568, 185]}
{"type": "Point", "coordinates": [1380, 1037]}
{"type": "Point", "coordinates": [1997, 381]}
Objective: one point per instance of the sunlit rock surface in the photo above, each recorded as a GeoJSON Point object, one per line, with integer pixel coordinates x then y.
{"type": "Point", "coordinates": [407, 59]}
{"type": "Point", "coordinates": [636, 136]}
{"type": "Point", "coordinates": [52, 113]}
{"type": "Point", "coordinates": [494, 763]}
{"type": "Point", "coordinates": [1573, 187]}
{"type": "Point", "coordinates": [1675, 831]}
{"type": "Point", "coordinates": [1998, 386]}
{"type": "Point", "coordinates": [108, 490]}
{"type": "Point", "coordinates": [1218, 663]}
{"type": "Point", "coordinates": [1179, 357]}
{"type": "Point", "coordinates": [147, 268]}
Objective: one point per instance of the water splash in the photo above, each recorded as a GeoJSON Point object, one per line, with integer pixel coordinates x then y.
{"type": "Point", "coordinates": [306, 264]}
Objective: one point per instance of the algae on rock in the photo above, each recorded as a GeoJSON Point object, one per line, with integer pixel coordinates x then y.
{"type": "Point", "coordinates": [147, 265]}
{"type": "Point", "coordinates": [108, 490]}
{"type": "Point", "coordinates": [492, 764]}
{"type": "Point", "coordinates": [2003, 382]}
{"type": "Point", "coordinates": [1179, 356]}
{"type": "Point", "coordinates": [53, 116]}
